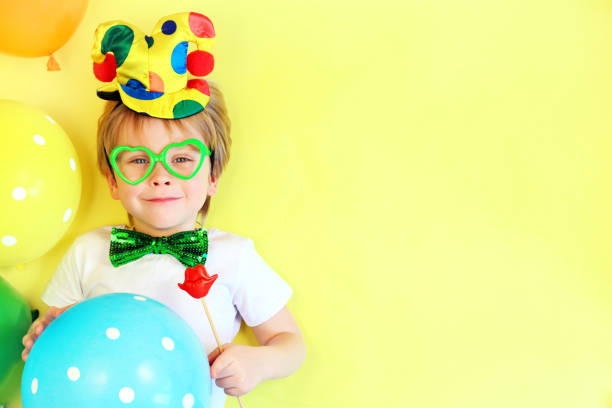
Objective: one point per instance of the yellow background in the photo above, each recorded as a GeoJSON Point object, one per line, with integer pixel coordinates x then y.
{"type": "Point", "coordinates": [432, 178]}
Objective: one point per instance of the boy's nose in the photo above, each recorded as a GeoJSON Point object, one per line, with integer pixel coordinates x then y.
{"type": "Point", "coordinates": [159, 175]}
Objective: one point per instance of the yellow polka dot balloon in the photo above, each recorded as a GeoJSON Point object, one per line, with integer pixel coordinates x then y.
{"type": "Point", "coordinates": [40, 186]}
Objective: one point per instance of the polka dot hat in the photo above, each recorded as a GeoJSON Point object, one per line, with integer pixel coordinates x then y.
{"type": "Point", "coordinates": [157, 74]}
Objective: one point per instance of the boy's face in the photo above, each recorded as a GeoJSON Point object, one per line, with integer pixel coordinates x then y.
{"type": "Point", "coordinates": [162, 204]}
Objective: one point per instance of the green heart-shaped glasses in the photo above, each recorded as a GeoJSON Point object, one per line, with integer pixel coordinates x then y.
{"type": "Point", "coordinates": [134, 164]}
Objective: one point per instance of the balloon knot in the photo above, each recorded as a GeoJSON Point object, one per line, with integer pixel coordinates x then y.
{"type": "Point", "coordinates": [52, 64]}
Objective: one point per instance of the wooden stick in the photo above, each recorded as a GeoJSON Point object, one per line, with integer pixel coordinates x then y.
{"type": "Point", "coordinates": [212, 325]}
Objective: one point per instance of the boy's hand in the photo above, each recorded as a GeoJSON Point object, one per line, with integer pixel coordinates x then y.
{"type": "Point", "coordinates": [237, 369]}
{"type": "Point", "coordinates": [37, 328]}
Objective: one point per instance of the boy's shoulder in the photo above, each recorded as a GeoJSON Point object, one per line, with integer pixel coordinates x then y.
{"type": "Point", "coordinates": [218, 236]}
{"type": "Point", "coordinates": [225, 244]}
{"type": "Point", "coordinates": [95, 236]}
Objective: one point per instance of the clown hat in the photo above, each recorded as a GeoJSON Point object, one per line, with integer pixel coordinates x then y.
{"type": "Point", "coordinates": [158, 74]}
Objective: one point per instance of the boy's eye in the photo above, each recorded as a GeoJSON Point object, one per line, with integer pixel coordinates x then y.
{"type": "Point", "coordinates": [182, 159]}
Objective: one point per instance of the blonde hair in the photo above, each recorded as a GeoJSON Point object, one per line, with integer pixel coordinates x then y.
{"type": "Point", "coordinates": [212, 123]}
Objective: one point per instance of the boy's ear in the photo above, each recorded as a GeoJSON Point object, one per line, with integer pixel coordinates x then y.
{"type": "Point", "coordinates": [112, 186]}
{"type": "Point", "coordinates": [212, 185]}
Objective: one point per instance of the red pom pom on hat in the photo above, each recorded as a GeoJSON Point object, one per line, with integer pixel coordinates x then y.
{"type": "Point", "coordinates": [200, 63]}
{"type": "Point", "coordinates": [106, 71]}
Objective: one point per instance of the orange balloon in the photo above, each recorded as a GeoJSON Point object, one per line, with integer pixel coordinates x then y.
{"type": "Point", "coordinates": [35, 28]}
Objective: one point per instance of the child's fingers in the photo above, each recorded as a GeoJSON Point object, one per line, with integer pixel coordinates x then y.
{"type": "Point", "coordinates": [215, 353]}
{"type": "Point", "coordinates": [30, 336]}
{"type": "Point", "coordinates": [33, 326]}
{"type": "Point", "coordinates": [47, 319]}
{"type": "Point", "coordinates": [39, 329]}
{"type": "Point", "coordinates": [227, 382]}
{"type": "Point", "coordinates": [35, 330]}
{"type": "Point", "coordinates": [56, 311]}
{"type": "Point", "coordinates": [27, 341]}
{"type": "Point", "coordinates": [213, 356]}
{"type": "Point", "coordinates": [222, 367]}
{"type": "Point", "coordinates": [230, 385]}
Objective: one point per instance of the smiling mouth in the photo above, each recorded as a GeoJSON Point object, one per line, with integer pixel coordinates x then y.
{"type": "Point", "coordinates": [162, 200]}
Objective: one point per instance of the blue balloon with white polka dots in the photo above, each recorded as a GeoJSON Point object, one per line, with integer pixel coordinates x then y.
{"type": "Point", "coordinates": [117, 350]}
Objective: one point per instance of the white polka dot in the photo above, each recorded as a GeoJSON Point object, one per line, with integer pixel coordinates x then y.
{"type": "Point", "coordinates": [112, 333]}
{"type": "Point", "coordinates": [39, 140]}
{"type": "Point", "coordinates": [49, 119]}
{"type": "Point", "coordinates": [188, 401]}
{"type": "Point", "coordinates": [34, 385]}
{"type": "Point", "coordinates": [19, 193]}
{"type": "Point", "coordinates": [126, 395]}
{"type": "Point", "coordinates": [74, 373]}
{"type": "Point", "coordinates": [9, 240]}
{"type": "Point", "coordinates": [142, 299]}
{"type": "Point", "coordinates": [67, 215]}
{"type": "Point", "coordinates": [72, 164]}
{"type": "Point", "coordinates": [168, 343]}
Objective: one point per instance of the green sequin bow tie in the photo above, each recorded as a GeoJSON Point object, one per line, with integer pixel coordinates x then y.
{"type": "Point", "coordinates": [189, 247]}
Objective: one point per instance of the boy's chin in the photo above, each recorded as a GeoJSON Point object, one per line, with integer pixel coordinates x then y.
{"type": "Point", "coordinates": [163, 226]}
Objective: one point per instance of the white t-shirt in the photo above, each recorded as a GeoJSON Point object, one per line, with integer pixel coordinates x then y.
{"type": "Point", "coordinates": [247, 288]}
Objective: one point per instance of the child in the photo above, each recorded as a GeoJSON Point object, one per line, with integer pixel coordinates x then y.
{"type": "Point", "coordinates": [187, 131]}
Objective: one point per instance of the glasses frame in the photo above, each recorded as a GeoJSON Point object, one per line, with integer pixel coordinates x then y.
{"type": "Point", "coordinates": [158, 158]}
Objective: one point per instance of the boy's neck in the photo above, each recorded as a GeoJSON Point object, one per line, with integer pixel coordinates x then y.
{"type": "Point", "coordinates": [157, 232]}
